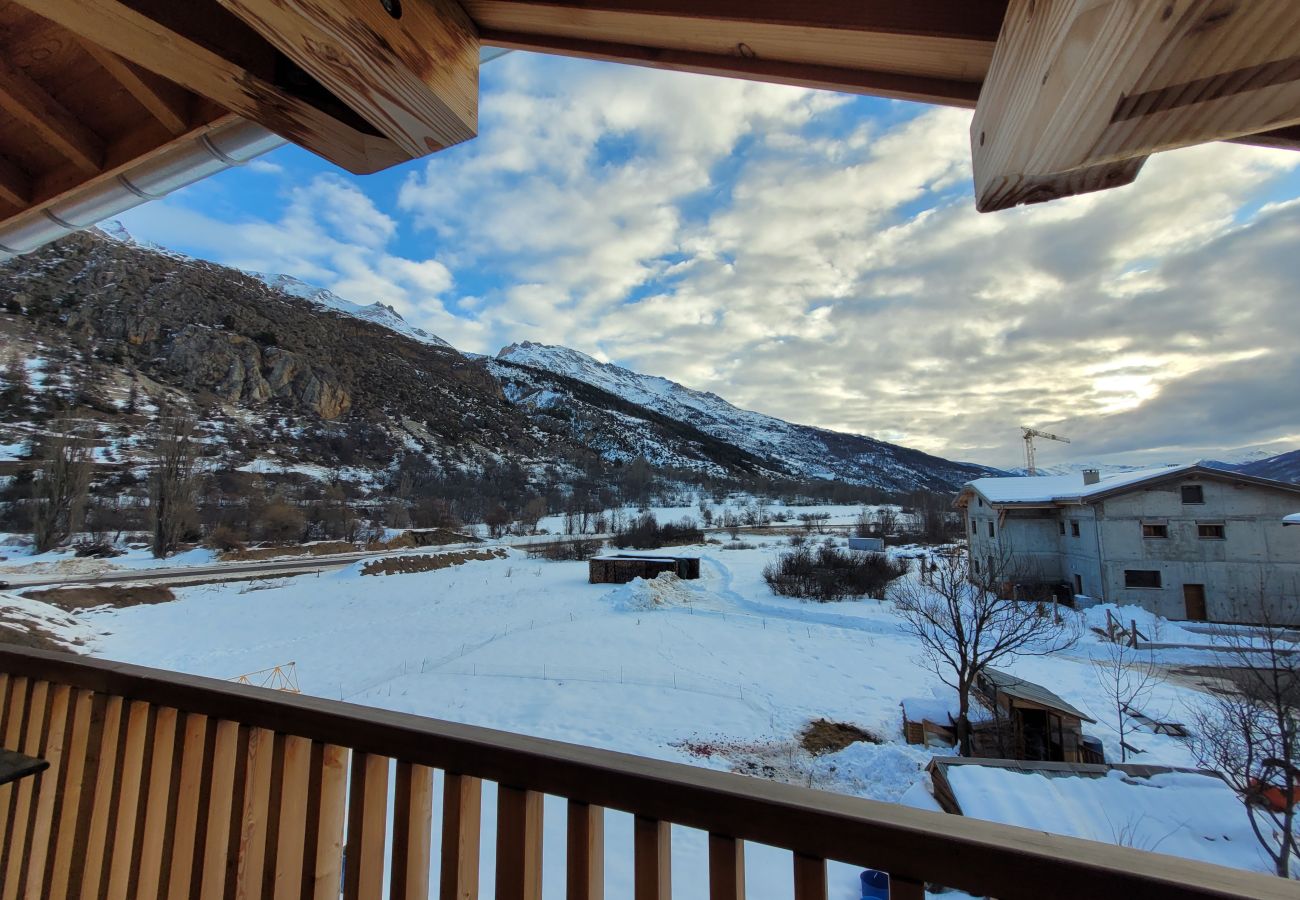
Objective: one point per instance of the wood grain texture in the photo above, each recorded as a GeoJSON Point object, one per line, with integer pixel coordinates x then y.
{"type": "Point", "coordinates": [902, 889]}
{"type": "Point", "coordinates": [189, 787]}
{"type": "Point", "coordinates": [131, 774]}
{"type": "Point", "coordinates": [414, 78]}
{"type": "Point", "coordinates": [1079, 92]}
{"type": "Point", "coordinates": [726, 868]}
{"type": "Point", "coordinates": [328, 864]}
{"type": "Point", "coordinates": [15, 185]}
{"type": "Point", "coordinates": [155, 835]}
{"type": "Point", "coordinates": [15, 714]}
{"type": "Point", "coordinates": [77, 764]}
{"type": "Point", "coordinates": [254, 818]}
{"type": "Point", "coordinates": [363, 877]}
{"type": "Point", "coordinates": [165, 101]}
{"type": "Point", "coordinates": [652, 863]}
{"type": "Point", "coordinates": [28, 102]}
{"type": "Point", "coordinates": [49, 788]}
{"type": "Point", "coordinates": [16, 846]}
{"type": "Point", "coordinates": [121, 29]}
{"type": "Point", "coordinates": [585, 852]}
{"type": "Point", "coordinates": [221, 802]}
{"type": "Point", "coordinates": [94, 849]}
{"type": "Point", "coordinates": [462, 811]}
{"type": "Point", "coordinates": [519, 844]}
{"type": "Point", "coordinates": [412, 832]}
{"type": "Point", "coordinates": [291, 841]}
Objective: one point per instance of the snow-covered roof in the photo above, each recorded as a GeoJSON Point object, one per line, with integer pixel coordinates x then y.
{"type": "Point", "coordinates": [1026, 489]}
{"type": "Point", "coordinates": [1009, 684]}
{"type": "Point", "coordinates": [1191, 814]}
{"type": "Point", "coordinates": [1293, 519]}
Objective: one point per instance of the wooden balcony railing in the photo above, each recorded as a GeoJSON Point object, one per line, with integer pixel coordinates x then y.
{"type": "Point", "coordinates": [168, 785]}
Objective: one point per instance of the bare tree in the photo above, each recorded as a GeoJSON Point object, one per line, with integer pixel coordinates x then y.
{"type": "Point", "coordinates": [965, 625]}
{"type": "Point", "coordinates": [61, 487]}
{"type": "Point", "coordinates": [1250, 731]}
{"type": "Point", "coordinates": [1128, 678]}
{"type": "Point", "coordinates": [172, 483]}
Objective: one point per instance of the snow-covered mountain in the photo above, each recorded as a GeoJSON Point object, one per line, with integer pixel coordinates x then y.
{"type": "Point", "coordinates": [375, 312]}
{"type": "Point", "coordinates": [798, 450]}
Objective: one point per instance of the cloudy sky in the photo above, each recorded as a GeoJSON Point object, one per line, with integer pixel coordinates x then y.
{"type": "Point", "coordinates": [810, 255]}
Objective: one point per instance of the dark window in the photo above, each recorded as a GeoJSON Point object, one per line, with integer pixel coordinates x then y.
{"type": "Point", "coordinates": [990, 528]}
{"type": "Point", "coordinates": [976, 564]}
{"type": "Point", "coordinates": [979, 500]}
{"type": "Point", "coordinates": [972, 526]}
{"type": "Point", "coordinates": [1141, 578]}
{"type": "Point", "coordinates": [1210, 531]}
{"type": "Point", "coordinates": [1193, 493]}
{"type": "Point", "coordinates": [1154, 530]}
{"type": "Point", "coordinates": [1062, 526]}
{"type": "Point", "coordinates": [1074, 528]}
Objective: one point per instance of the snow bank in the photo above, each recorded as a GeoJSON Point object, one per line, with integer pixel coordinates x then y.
{"type": "Point", "coordinates": [1179, 813]}
{"type": "Point", "coordinates": [32, 617]}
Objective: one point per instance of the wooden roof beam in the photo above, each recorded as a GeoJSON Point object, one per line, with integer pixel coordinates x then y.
{"type": "Point", "coordinates": [409, 69]}
{"type": "Point", "coordinates": [165, 101]}
{"type": "Point", "coordinates": [945, 91]}
{"type": "Point", "coordinates": [207, 51]}
{"type": "Point", "coordinates": [975, 20]}
{"type": "Point", "coordinates": [28, 102]}
{"type": "Point", "coordinates": [1081, 91]}
{"type": "Point", "coordinates": [15, 186]}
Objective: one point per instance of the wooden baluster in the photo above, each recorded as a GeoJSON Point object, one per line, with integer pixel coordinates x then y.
{"type": "Point", "coordinates": [189, 786]}
{"type": "Point", "coordinates": [327, 867]}
{"type": "Point", "coordinates": [586, 852]}
{"type": "Point", "coordinates": [291, 842]}
{"type": "Point", "coordinates": [128, 799]}
{"type": "Point", "coordinates": [79, 757]}
{"type": "Point", "coordinates": [652, 859]}
{"type": "Point", "coordinates": [155, 808]}
{"type": "Point", "coordinates": [254, 818]}
{"type": "Point", "coordinates": [4, 701]}
{"type": "Point", "coordinates": [221, 805]}
{"type": "Point", "coordinates": [904, 889]}
{"type": "Point", "coordinates": [21, 813]}
{"type": "Point", "coordinates": [48, 790]}
{"type": "Point", "coordinates": [809, 877]}
{"type": "Point", "coordinates": [412, 832]}
{"type": "Point", "coordinates": [726, 868]}
{"type": "Point", "coordinates": [519, 844]}
{"type": "Point", "coordinates": [462, 809]}
{"type": "Point", "coordinates": [95, 849]}
{"type": "Point", "coordinates": [13, 737]}
{"type": "Point", "coordinates": [363, 876]}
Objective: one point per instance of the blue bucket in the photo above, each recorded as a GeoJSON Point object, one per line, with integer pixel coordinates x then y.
{"type": "Point", "coordinates": [875, 885]}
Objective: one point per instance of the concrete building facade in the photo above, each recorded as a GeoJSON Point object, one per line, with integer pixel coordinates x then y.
{"type": "Point", "coordinates": [1186, 542]}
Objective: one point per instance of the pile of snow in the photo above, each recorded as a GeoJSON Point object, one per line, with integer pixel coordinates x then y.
{"type": "Point", "coordinates": [665, 591]}
{"type": "Point", "coordinates": [1188, 814]}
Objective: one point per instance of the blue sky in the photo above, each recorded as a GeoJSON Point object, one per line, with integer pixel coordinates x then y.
{"type": "Point", "coordinates": [810, 255]}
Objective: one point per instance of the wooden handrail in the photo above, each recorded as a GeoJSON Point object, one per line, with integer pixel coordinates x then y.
{"type": "Point", "coordinates": [915, 846]}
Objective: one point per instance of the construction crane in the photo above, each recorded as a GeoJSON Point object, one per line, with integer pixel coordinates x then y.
{"type": "Point", "coordinates": [1030, 434]}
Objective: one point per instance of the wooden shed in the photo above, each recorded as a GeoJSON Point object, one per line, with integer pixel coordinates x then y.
{"type": "Point", "coordinates": [622, 568]}
{"type": "Point", "coordinates": [1029, 722]}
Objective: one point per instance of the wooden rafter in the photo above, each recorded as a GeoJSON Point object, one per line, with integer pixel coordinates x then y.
{"type": "Point", "coordinates": [15, 185]}
{"type": "Point", "coordinates": [27, 102]}
{"type": "Point", "coordinates": [1081, 91]}
{"type": "Point", "coordinates": [949, 92]}
{"type": "Point", "coordinates": [165, 101]}
{"type": "Point", "coordinates": [975, 20]}
{"type": "Point", "coordinates": [413, 76]}
{"type": "Point", "coordinates": [242, 76]}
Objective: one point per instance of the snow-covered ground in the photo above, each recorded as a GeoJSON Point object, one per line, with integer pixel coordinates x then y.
{"type": "Point", "coordinates": [717, 672]}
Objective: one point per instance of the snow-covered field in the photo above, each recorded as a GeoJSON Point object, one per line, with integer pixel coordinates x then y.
{"type": "Point", "coordinates": [717, 672]}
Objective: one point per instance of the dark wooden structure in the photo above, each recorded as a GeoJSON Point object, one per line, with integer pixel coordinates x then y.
{"type": "Point", "coordinates": [1028, 722]}
{"type": "Point", "coordinates": [622, 568]}
{"type": "Point", "coordinates": [170, 785]}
